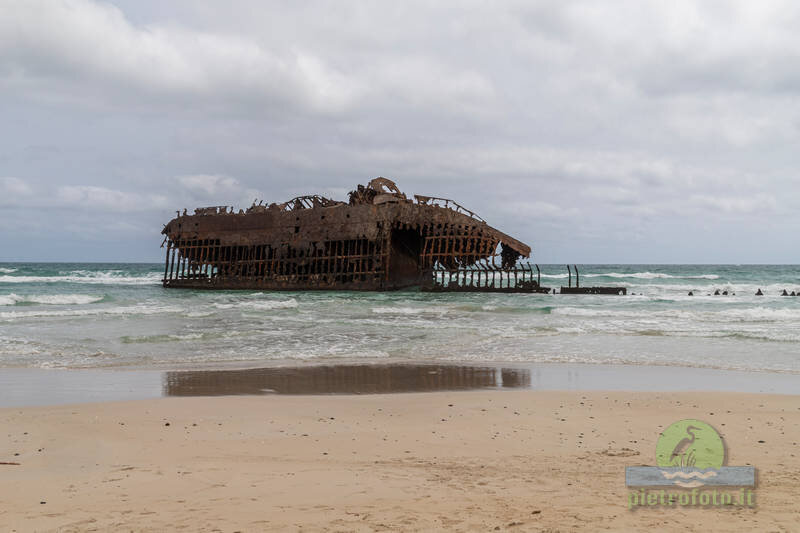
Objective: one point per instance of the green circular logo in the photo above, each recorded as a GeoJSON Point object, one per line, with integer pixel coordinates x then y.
{"type": "Point", "coordinates": [690, 444]}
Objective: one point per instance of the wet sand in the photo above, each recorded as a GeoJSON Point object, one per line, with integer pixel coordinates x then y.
{"type": "Point", "coordinates": [483, 460]}
{"type": "Point", "coordinates": [28, 386]}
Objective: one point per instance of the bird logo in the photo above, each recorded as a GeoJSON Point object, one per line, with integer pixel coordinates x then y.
{"type": "Point", "coordinates": [692, 446]}
{"type": "Point", "coordinates": [683, 453]}
{"type": "Point", "coordinates": [689, 454]}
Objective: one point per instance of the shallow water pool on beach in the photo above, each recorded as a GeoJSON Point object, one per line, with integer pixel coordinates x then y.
{"type": "Point", "coordinates": [118, 315]}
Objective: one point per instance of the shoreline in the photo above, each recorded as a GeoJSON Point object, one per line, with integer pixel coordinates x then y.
{"type": "Point", "coordinates": [481, 460]}
{"type": "Point", "coordinates": [39, 387]}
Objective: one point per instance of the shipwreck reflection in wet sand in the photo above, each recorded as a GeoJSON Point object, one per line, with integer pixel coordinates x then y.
{"type": "Point", "coordinates": [342, 379]}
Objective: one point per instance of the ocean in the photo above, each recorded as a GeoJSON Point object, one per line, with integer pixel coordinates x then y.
{"type": "Point", "coordinates": [93, 315]}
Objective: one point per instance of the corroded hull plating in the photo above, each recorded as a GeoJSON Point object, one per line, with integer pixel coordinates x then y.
{"type": "Point", "coordinates": [379, 241]}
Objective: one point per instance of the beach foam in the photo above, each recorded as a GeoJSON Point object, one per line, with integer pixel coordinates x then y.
{"type": "Point", "coordinates": [100, 278]}
{"type": "Point", "coordinates": [50, 299]}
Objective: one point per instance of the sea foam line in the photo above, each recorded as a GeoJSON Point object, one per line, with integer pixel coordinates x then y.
{"type": "Point", "coordinates": [102, 278]}
{"type": "Point", "coordinates": [50, 299]}
{"type": "Point", "coordinates": [647, 275]}
{"type": "Point", "coordinates": [129, 310]}
{"type": "Point", "coordinates": [632, 275]}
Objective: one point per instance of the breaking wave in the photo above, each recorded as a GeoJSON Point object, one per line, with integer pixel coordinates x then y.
{"type": "Point", "coordinates": [88, 277]}
{"type": "Point", "coordinates": [748, 314]}
{"type": "Point", "coordinates": [50, 299]}
{"type": "Point", "coordinates": [648, 275]}
{"type": "Point", "coordinates": [259, 305]}
{"type": "Point", "coordinates": [400, 310]}
{"type": "Point", "coordinates": [66, 314]}
{"type": "Point", "coordinates": [265, 305]}
{"type": "Point", "coordinates": [125, 310]}
{"type": "Point", "coordinates": [632, 275]}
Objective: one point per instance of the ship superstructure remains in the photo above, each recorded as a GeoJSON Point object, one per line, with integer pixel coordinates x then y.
{"type": "Point", "coordinates": [379, 240]}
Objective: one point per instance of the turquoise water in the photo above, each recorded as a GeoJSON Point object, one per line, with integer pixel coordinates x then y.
{"type": "Point", "coordinates": [118, 315]}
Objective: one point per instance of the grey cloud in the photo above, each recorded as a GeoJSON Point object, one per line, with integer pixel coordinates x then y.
{"type": "Point", "coordinates": [567, 124]}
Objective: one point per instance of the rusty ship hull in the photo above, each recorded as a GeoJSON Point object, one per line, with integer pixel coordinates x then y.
{"type": "Point", "coordinates": [380, 240]}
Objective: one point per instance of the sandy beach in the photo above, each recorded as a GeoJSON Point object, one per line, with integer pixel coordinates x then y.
{"type": "Point", "coordinates": [464, 461]}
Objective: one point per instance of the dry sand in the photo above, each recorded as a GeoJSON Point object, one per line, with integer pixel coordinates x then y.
{"type": "Point", "coordinates": [482, 461]}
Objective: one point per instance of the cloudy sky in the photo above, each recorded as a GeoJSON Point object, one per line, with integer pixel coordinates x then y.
{"type": "Point", "coordinates": [640, 132]}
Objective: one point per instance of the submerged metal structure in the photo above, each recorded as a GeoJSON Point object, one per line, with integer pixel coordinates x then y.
{"type": "Point", "coordinates": [378, 240]}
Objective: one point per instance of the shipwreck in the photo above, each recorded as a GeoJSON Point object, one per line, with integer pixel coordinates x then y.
{"type": "Point", "coordinates": [378, 240]}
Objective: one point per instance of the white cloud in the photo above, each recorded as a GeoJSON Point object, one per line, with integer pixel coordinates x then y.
{"type": "Point", "coordinates": [631, 114]}
{"type": "Point", "coordinates": [211, 189]}
{"type": "Point", "coordinates": [759, 203]}
{"type": "Point", "coordinates": [208, 184]}
{"type": "Point", "coordinates": [94, 42]}
{"type": "Point", "coordinates": [542, 210]}
{"type": "Point", "coordinates": [104, 199]}
{"type": "Point", "coordinates": [14, 189]}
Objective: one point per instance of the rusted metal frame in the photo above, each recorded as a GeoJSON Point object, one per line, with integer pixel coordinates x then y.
{"type": "Point", "coordinates": [197, 255]}
{"type": "Point", "coordinates": [313, 265]}
{"type": "Point", "coordinates": [451, 242]}
{"type": "Point", "coordinates": [340, 260]}
{"type": "Point", "coordinates": [166, 261]}
{"type": "Point", "coordinates": [273, 264]}
{"type": "Point", "coordinates": [178, 260]}
{"type": "Point", "coordinates": [206, 257]}
{"type": "Point", "coordinates": [201, 256]}
{"type": "Point", "coordinates": [212, 255]}
{"type": "Point", "coordinates": [330, 268]}
{"type": "Point", "coordinates": [357, 258]}
{"type": "Point", "coordinates": [258, 265]}
{"type": "Point", "coordinates": [193, 258]}
{"type": "Point", "coordinates": [172, 260]}
{"type": "Point", "coordinates": [262, 249]}
{"type": "Point", "coordinates": [299, 264]}
{"type": "Point", "coordinates": [386, 247]}
{"type": "Point", "coordinates": [361, 254]}
{"type": "Point", "coordinates": [191, 264]}
{"type": "Point", "coordinates": [494, 271]}
{"type": "Point", "coordinates": [365, 263]}
{"type": "Point", "coordinates": [201, 264]}
{"type": "Point", "coordinates": [209, 266]}
{"type": "Point", "coordinates": [236, 262]}
{"type": "Point", "coordinates": [216, 258]}
{"type": "Point", "coordinates": [346, 259]}
{"type": "Point", "coordinates": [372, 261]}
{"type": "Point", "coordinates": [348, 255]}
{"type": "Point", "coordinates": [176, 264]}
{"type": "Point", "coordinates": [333, 247]}
{"type": "Point", "coordinates": [183, 262]}
{"type": "Point", "coordinates": [291, 263]}
{"type": "Point", "coordinates": [184, 255]}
